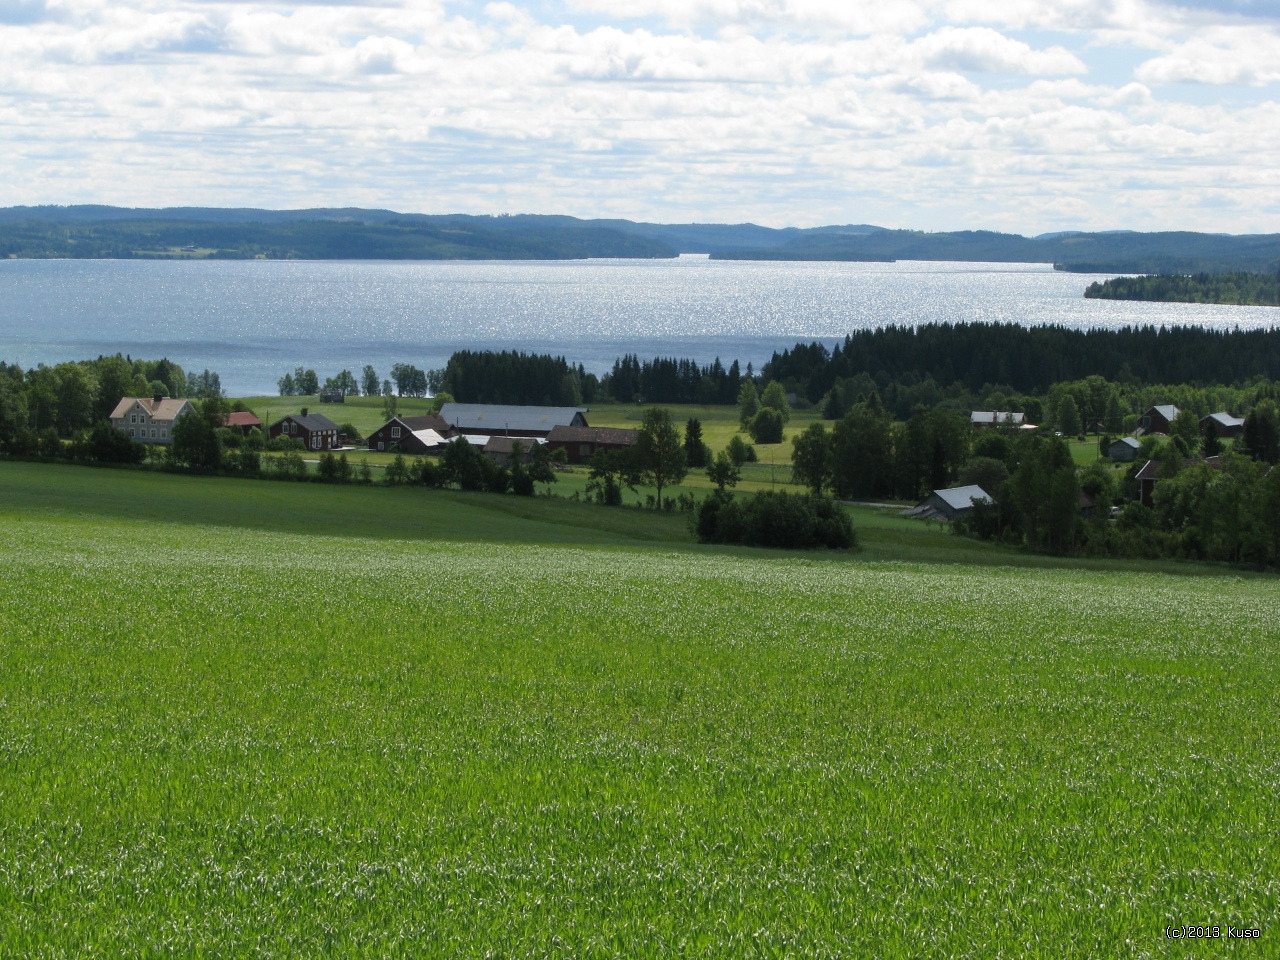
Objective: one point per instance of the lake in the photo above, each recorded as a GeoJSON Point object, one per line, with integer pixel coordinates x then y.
{"type": "Point", "coordinates": [252, 321]}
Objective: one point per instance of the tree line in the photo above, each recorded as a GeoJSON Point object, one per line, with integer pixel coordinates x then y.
{"type": "Point", "coordinates": [66, 398]}
{"type": "Point", "coordinates": [1026, 359]}
{"type": "Point", "coordinates": [1247, 289]}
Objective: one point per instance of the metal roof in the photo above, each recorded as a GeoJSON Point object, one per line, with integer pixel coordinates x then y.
{"type": "Point", "coordinates": [497, 418]}
{"type": "Point", "coordinates": [428, 438]}
{"type": "Point", "coordinates": [1166, 410]}
{"type": "Point", "coordinates": [1225, 419]}
{"type": "Point", "coordinates": [1128, 442]}
{"type": "Point", "coordinates": [995, 416]}
{"type": "Point", "coordinates": [962, 498]}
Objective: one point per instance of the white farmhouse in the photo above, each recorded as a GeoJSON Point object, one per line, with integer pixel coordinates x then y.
{"type": "Point", "coordinates": [149, 419]}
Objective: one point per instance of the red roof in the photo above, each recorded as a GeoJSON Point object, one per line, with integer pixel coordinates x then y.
{"type": "Point", "coordinates": [242, 418]}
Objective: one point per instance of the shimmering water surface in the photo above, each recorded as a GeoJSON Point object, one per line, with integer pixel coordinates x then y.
{"type": "Point", "coordinates": [254, 320]}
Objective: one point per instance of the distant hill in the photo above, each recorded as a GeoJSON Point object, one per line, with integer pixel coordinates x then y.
{"type": "Point", "coordinates": [201, 233]}
{"type": "Point", "coordinates": [1111, 252]}
{"type": "Point", "coordinates": [348, 233]}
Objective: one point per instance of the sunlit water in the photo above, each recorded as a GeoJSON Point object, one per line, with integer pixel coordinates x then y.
{"type": "Point", "coordinates": [252, 320]}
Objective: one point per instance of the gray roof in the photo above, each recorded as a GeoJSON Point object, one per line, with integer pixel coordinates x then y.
{"type": "Point", "coordinates": [1128, 442]}
{"type": "Point", "coordinates": [312, 421]}
{"type": "Point", "coordinates": [1224, 419]}
{"type": "Point", "coordinates": [962, 498]}
{"type": "Point", "coordinates": [1166, 410]}
{"type": "Point", "coordinates": [995, 416]}
{"type": "Point", "coordinates": [497, 418]}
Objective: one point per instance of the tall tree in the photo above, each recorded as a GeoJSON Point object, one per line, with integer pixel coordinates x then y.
{"type": "Point", "coordinates": [369, 383]}
{"type": "Point", "coordinates": [775, 398]}
{"type": "Point", "coordinates": [659, 452]}
{"type": "Point", "coordinates": [306, 381]}
{"type": "Point", "coordinates": [695, 450]}
{"type": "Point", "coordinates": [811, 458]}
{"type": "Point", "coordinates": [748, 402]}
{"type": "Point", "coordinates": [860, 453]}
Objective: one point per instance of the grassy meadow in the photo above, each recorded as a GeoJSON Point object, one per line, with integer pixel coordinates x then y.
{"type": "Point", "coordinates": [254, 719]}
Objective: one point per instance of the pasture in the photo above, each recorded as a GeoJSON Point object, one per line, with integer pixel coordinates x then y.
{"type": "Point", "coordinates": [246, 719]}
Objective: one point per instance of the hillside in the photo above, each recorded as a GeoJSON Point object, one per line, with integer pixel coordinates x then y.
{"type": "Point", "coordinates": [442, 735]}
{"type": "Point", "coordinates": [349, 233]}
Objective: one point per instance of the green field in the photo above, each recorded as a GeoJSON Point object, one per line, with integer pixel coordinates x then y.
{"type": "Point", "coordinates": [264, 719]}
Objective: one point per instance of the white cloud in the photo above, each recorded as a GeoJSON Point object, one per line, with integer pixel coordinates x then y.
{"type": "Point", "coordinates": [927, 114]}
{"type": "Point", "coordinates": [1240, 56]}
{"type": "Point", "coordinates": [984, 50]}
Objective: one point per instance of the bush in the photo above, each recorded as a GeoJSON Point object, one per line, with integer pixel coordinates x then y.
{"type": "Point", "coordinates": [775, 519]}
{"type": "Point", "coordinates": [106, 444]}
{"type": "Point", "coordinates": [740, 451]}
{"type": "Point", "coordinates": [766, 426]}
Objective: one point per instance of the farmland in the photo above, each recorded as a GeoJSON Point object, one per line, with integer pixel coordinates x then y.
{"type": "Point", "coordinates": [249, 719]}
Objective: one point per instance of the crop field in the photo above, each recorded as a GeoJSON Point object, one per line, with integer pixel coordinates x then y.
{"type": "Point", "coordinates": [223, 733]}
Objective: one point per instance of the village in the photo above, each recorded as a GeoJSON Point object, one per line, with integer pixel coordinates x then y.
{"type": "Point", "coordinates": [501, 432]}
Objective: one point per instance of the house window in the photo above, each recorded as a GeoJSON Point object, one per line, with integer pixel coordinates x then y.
{"type": "Point", "coordinates": [153, 433]}
{"type": "Point", "coordinates": [315, 443]}
{"type": "Point", "coordinates": [133, 418]}
{"type": "Point", "coordinates": [395, 433]}
{"type": "Point", "coordinates": [164, 434]}
{"type": "Point", "coordinates": [380, 445]}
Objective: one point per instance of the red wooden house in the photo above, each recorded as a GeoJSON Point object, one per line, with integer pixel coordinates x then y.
{"type": "Point", "coordinates": [315, 430]}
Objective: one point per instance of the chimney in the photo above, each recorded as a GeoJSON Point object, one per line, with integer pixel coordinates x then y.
{"type": "Point", "coordinates": [304, 411]}
{"type": "Point", "coordinates": [157, 398]}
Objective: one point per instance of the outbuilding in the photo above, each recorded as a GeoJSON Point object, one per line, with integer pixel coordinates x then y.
{"type": "Point", "coordinates": [580, 444]}
{"type": "Point", "coordinates": [1124, 450]}
{"type": "Point", "coordinates": [499, 420]}
{"type": "Point", "coordinates": [950, 503]}
{"type": "Point", "coordinates": [1226, 425]}
{"type": "Point", "coordinates": [1157, 419]}
{"type": "Point", "coordinates": [995, 418]}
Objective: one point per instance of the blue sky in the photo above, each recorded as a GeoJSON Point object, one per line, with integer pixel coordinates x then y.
{"type": "Point", "coordinates": [1026, 116]}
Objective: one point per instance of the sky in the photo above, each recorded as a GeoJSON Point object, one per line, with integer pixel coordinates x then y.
{"type": "Point", "coordinates": [1026, 116]}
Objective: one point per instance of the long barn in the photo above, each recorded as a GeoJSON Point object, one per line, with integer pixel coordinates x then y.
{"type": "Point", "coordinates": [498, 420]}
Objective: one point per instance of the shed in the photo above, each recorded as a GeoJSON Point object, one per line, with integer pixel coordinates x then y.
{"type": "Point", "coordinates": [1124, 450]}
{"type": "Point", "coordinates": [242, 421]}
{"type": "Point", "coordinates": [1226, 425]}
{"type": "Point", "coordinates": [995, 418]}
{"type": "Point", "coordinates": [1157, 419]}
{"type": "Point", "coordinates": [580, 444]}
{"type": "Point", "coordinates": [950, 503]}
{"type": "Point", "coordinates": [499, 449]}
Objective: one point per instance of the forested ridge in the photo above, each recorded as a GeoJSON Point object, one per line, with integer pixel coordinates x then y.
{"type": "Point", "coordinates": [1029, 359]}
{"type": "Point", "coordinates": [1245, 289]}
{"type": "Point", "coordinates": [350, 233]}
{"type": "Point", "coordinates": [402, 238]}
